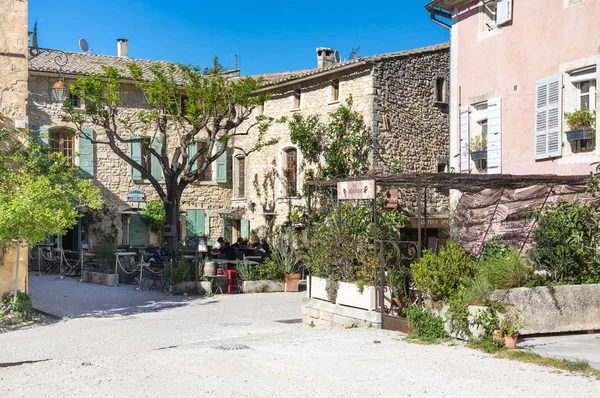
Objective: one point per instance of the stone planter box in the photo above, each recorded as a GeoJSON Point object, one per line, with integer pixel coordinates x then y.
{"type": "Point", "coordinates": [262, 286]}
{"type": "Point", "coordinates": [190, 288]}
{"type": "Point", "coordinates": [349, 295]}
{"type": "Point", "coordinates": [100, 278]}
{"type": "Point", "coordinates": [558, 309]}
{"type": "Point", "coordinates": [475, 329]}
{"type": "Point", "coordinates": [583, 134]}
{"type": "Point", "coordinates": [315, 288]}
{"type": "Point", "coordinates": [479, 155]}
{"type": "Point", "coordinates": [317, 312]}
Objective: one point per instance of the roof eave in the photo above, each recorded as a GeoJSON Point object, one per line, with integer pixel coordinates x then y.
{"type": "Point", "coordinates": [443, 4]}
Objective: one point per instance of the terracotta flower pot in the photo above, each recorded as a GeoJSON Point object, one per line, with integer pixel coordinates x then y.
{"type": "Point", "coordinates": [498, 337]}
{"type": "Point", "coordinates": [291, 282]}
{"type": "Point", "coordinates": [510, 340]}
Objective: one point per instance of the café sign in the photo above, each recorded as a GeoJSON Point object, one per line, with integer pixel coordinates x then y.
{"type": "Point", "coordinates": [136, 195]}
{"type": "Point", "coordinates": [356, 190]}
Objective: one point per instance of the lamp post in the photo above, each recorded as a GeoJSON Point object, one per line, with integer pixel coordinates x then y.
{"type": "Point", "coordinates": [59, 91]}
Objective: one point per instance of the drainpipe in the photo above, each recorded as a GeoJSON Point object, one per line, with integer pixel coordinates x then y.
{"type": "Point", "coordinates": [433, 13]}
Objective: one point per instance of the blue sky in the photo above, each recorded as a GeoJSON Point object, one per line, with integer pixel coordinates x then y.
{"type": "Point", "coordinates": [267, 36]}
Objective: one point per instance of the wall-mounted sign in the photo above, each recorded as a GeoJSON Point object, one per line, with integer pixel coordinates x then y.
{"type": "Point", "coordinates": [136, 195]}
{"type": "Point", "coordinates": [356, 190]}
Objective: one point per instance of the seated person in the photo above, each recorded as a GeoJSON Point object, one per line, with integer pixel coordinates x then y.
{"type": "Point", "coordinates": [160, 255]}
{"type": "Point", "coordinates": [238, 243]}
{"type": "Point", "coordinates": [219, 244]}
{"type": "Point", "coordinates": [264, 247]}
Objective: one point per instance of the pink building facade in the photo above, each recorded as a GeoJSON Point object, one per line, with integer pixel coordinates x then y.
{"type": "Point", "coordinates": [517, 66]}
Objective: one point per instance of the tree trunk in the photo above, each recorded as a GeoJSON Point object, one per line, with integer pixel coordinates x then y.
{"type": "Point", "coordinates": [172, 208]}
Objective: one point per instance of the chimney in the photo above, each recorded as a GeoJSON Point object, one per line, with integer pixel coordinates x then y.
{"type": "Point", "coordinates": [325, 57]}
{"type": "Point", "coordinates": [122, 50]}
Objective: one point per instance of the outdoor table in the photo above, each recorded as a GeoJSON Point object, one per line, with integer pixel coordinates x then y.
{"type": "Point", "coordinates": [121, 254]}
{"type": "Point", "coordinates": [214, 285]}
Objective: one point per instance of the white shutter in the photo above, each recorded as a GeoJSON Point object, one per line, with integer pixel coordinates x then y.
{"type": "Point", "coordinates": [465, 164]}
{"type": "Point", "coordinates": [503, 12]}
{"type": "Point", "coordinates": [494, 137]}
{"type": "Point", "coordinates": [548, 117]}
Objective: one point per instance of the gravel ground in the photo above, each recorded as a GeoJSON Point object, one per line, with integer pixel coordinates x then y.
{"type": "Point", "coordinates": [233, 345]}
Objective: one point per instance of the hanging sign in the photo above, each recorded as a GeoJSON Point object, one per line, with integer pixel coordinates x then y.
{"type": "Point", "coordinates": [136, 195]}
{"type": "Point", "coordinates": [356, 190]}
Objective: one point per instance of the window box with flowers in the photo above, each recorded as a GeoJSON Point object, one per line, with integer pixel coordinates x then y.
{"type": "Point", "coordinates": [478, 148]}
{"type": "Point", "coordinates": [582, 129]}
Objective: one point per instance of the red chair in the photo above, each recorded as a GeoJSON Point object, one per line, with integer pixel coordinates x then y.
{"type": "Point", "coordinates": [233, 280]}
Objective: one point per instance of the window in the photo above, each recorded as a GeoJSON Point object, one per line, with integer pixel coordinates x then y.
{"type": "Point", "coordinates": [290, 172]}
{"type": "Point", "coordinates": [261, 109]}
{"type": "Point", "coordinates": [296, 99]}
{"type": "Point", "coordinates": [440, 91]}
{"type": "Point", "coordinates": [489, 15]}
{"type": "Point", "coordinates": [74, 100]}
{"type": "Point", "coordinates": [586, 91]}
{"type": "Point", "coordinates": [61, 141]}
{"type": "Point", "coordinates": [495, 13]}
{"type": "Point", "coordinates": [146, 160]}
{"type": "Point", "coordinates": [480, 129]}
{"type": "Point", "coordinates": [583, 90]}
{"type": "Point", "coordinates": [183, 104]}
{"type": "Point", "coordinates": [206, 174]}
{"type": "Point", "coordinates": [240, 176]}
{"type": "Point", "coordinates": [335, 91]}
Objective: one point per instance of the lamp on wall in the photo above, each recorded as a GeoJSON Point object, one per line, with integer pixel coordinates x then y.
{"type": "Point", "coordinates": [59, 91]}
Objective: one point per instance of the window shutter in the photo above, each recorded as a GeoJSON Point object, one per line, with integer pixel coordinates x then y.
{"type": "Point", "coordinates": [464, 140]}
{"type": "Point", "coordinates": [195, 223]}
{"type": "Point", "coordinates": [503, 12]}
{"type": "Point", "coordinates": [191, 151]}
{"type": "Point", "coordinates": [139, 233]}
{"type": "Point", "coordinates": [494, 136]}
{"type": "Point", "coordinates": [245, 224]}
{"type": "Point", "coordinates": [86, 153]}
{"type": "Point", "coordinates": [221, 164]}
{"type": "Point", "coordinates": [548, 117]}
{"type": "Point", "coordinates": [156, 170]}
{"type": "Point", "coordinates": [135, 151]}
{"type": "Point", "coordinates": [40, 135]}
{"type": "Point", "coordinates": [227, 230]}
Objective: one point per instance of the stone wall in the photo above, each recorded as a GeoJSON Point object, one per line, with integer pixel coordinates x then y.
{"type": "Point", "coordinates": [264, 169]}
{"type": "Point", "coordinates": [408, 124]}
{"type": "Point", "coordinates": [113, 175]}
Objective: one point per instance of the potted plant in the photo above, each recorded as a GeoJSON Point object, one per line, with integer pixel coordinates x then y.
{"type": "Point", "coordinates": [478, 147]}
{"type": "Point", "coordinates": [288, 261]}
{"type": "Point", "coordinates": [509, 328]}
{"type": "Point", "coordinates": [582, 124]}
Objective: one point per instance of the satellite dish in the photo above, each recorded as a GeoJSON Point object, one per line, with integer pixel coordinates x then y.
{"type": "Point", "coordinates": [336, 57]}
{"type": "Point", "coordinates": [83, 45]}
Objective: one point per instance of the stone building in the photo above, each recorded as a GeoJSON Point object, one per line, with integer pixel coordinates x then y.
{"type": "Point", "coordinates": [403, 99]}
{"type": "Point", "coordinates": [402, 96]}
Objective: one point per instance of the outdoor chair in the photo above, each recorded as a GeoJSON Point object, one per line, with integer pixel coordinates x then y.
{"type": "Point", "coordinates": [158, 276]}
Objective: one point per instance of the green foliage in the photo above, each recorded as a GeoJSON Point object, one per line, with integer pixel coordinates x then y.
{"type": "Point", "coordinates": [510, 325]}
{"type": "Point", "coordinates": [105, 254]}
{"type": "Point", "coordinates": [486, 343]}
{"type": "Point", "coordinates": [21, 306]}
{"type": "Point", "coordinates": [344, 141]}
{"type": "Point", "coordinates": [154, 213]}
{"type": "Point", "coordinates": [488, 318]}
{"type": "Point", "coordinates": [581, 119]}
{"type": "Point", "coordinates": [439, 276]}
{"type": "Point", "coordinates": [496, 247]}
{"type": "Point", "coordinates": [269, 270]}
{"type": "Point", "coordinates": [41, 192]}
{"type": "Point", "coordinates": [566, 240]}
{"type": "Point", "coordinates": [477, 143]}
{"type": "Point", "coordinates": [505, 271]}
{"type": "Point", "coordinates": [34, 36]}
{"type": "Point", "coordinates": [178, 270]}
{"type": "Point", "coordinates": [426, 325]}
{"type": "Point", "coordinates": [458, 316]}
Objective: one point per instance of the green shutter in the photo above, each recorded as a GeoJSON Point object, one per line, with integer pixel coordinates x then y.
{"type": "Point", "coordinates": [221, 164]}
{"type": "Point", "coordinates": [227, 230]}
{"type": "Point", "coordinates": [155, 165]}
{"type": "Point", "coordinates": [135, 151]}
{"type": "Point", "coordinates": [245, 224]}
{"type": "Point", "coordinates": [139, 233]}
{"type": "Point", "coordinates": [86, 153]}
{"type": "Point", "coordinates": [40, 134]}
{"type": "Point", "coordinates": [191, 151]}
{"type": "Point", "coordinates": [195, 223]}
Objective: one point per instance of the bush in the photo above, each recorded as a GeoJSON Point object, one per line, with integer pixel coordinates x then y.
{"type": "Point", "coordinates": [21, 306]}
{"type": "Point", "coordinates": [439, 276]}
{"type": "Point", "coordinates": [426, 325]}
{"type": "Point", "coordinates": [178, 270]}
{"type": "Point", "coordinates": [506, 271]}
{"type": "Point", "coordinates": [565, 239]}
{"type": "Point", "coordinates": [269, 270]}
{"type": "Point", "coordinates": [154, 214]}
{"type": "Point", "coordinates": [105, 254]}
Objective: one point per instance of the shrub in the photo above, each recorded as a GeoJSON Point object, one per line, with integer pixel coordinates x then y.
{"type": "Point", "coordinates": [565, 240]}
{"type": "Point", "coordinates": [269, 270]}
{"type": "Point", "coordinates": [505, 271]}
{"type": "Point", "coordinates": [496, 247]}
{"type": "Point", "coordinates": [21, 306]}
{"type": "Point", "coordinates": [105, 254]}
{"type": "Point", "coordinates": [178, 270]}
{"type": "Point", "coordinates": [581, 119]}
{"type": "Point", "coordinates": [426, 325]}
{"type": "Point", "coordinates": [154, 214]}
{"type": "Point", "coordinates": [439, 276]}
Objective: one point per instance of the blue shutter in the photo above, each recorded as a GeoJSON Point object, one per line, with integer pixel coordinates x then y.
{"type": "Point", "coordinates": [139, 233]}
{"type": "Point", "coordinates": [245, 224]}
{"type": "Point", "coordinates": [195, 223]}
{"type": "Point", "coordinates": [221, 164]}
{"type": "Point", "coordinates": [191, 151]}
{"type": "Point", "coordinates": [136, 155]}
{"type": "Point", "coordinates": [155, 165]}
{"type": "Point", "coordinates": [227, 230]}
{"type": "Point", "coordinates": [40, 134]}
{"type": "Point", "coordinates": [86, 153]}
